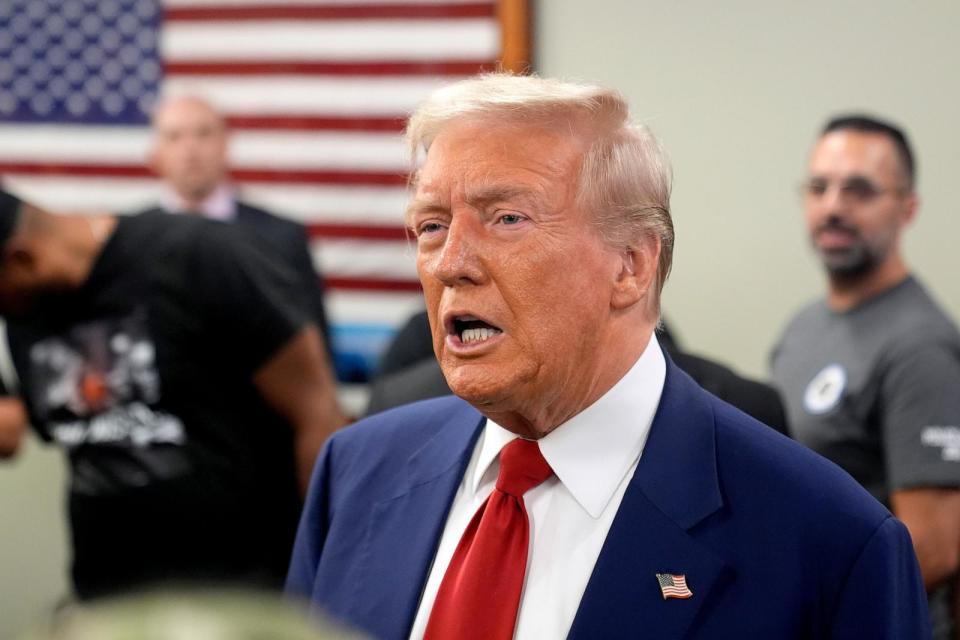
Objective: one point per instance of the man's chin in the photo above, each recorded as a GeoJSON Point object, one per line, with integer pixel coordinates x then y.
{"type": "Point", "coordinates": [845, 264]}
{"type": "Point", "coordinates": [477, 384]}
{"type": "Point", "coordinates": [476, 393]}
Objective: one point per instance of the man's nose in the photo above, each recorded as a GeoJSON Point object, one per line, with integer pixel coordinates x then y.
{"type": "Point", "coordinates": [836, 197]}
{"type": "Point", "coordinates": [833, 201]}
{"type": "Point", "coordinates": [459, 262]}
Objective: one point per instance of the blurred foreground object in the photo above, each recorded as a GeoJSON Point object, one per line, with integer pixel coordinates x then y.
{"type": "Point", "coordinates": [188, 616]}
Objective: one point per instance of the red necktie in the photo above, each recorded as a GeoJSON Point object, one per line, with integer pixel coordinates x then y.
{"type": "Point", "coordinates": [480, 592]}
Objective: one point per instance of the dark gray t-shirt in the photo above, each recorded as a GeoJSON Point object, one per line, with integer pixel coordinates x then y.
{"type": "Point", "coordinates": [876, 389]}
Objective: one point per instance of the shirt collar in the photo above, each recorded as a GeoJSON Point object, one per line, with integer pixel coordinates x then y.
{"type": "Point", "coordinates": [221, 204]}
{"type": "Point", "coordinates": [593, 451]}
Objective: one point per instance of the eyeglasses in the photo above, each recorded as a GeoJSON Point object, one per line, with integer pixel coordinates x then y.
{"type": "Point", "coordinates": [855, 189]}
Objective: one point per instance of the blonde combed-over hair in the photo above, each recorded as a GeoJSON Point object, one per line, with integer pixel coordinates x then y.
{"type": "Point", "coordinates": [625, 177]}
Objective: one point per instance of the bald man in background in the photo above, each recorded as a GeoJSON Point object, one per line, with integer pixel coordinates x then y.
{"type": "Point", "coordinates": [190, 154]}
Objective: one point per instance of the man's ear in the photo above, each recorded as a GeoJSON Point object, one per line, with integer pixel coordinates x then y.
{"type": "Point", "coordinates": [18, 258]}
{"type": "Point", "coordinates": [153, 159]}
{"type": "Point", "coordinates": [638, 271]}
{"type": "Point", "coordinates": [911, 204]}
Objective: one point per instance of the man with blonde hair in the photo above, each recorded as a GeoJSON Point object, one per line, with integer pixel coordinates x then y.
{"type": "Point", "coordinates": [580, 485]}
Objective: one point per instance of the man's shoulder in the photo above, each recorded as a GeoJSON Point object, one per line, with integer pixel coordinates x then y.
{"type": "Point", "coordinates": [155, 230]}
{"type": "Point", "coordinates": [761, 479]}
{"type": "Point", "coordinates": [158, 218]}
{"type": "Point", "coordinates": [152, 209]}
{"type": "Point", "coordinates": [192, 249]}
{"type": "Point", "coordinates": [427, 415]}
{"type": "Point", "coordinates": [806, 318]}
{"type": "Point", "coordinates": [789, 514]}
{"type": "Point", "coordinates": [255, 212]}
{"type": "Point", "coordinates": [259, 217]}
{"type": "Point", "coordinates": [389, 438]}
{"type": "Point", "coordinates": [186, 233]}
{"type": "Point", "coordinates": [915, 318]}
{"type": "Point", "coordinates": [801, 328]}
{"type": "Point", "coordinates": [763, 471]}
{"type": "Point", "coordinates": [282, 234]}
{"type": "Point", "coordinates": [757, 399]}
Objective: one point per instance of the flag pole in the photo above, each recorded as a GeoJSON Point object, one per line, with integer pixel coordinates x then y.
{"type": "Point", "coordinates": [516, 54]}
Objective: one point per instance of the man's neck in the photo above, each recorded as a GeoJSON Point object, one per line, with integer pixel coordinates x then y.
{"type": "Point", "coordinates": [535, 418]}
{"type": "Point", "coordinates": [217, 203]}
{"type": "Point", "coordinates": [192, 201]}
{"type": "Point", "coordinates": [847, 293]}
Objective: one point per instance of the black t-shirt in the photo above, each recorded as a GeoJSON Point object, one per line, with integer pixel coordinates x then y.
{"type": "Point", "coordinates": [179, 470]}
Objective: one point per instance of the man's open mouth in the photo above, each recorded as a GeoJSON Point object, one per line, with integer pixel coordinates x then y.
{"type": "Point", "coordinates": [471, 329]}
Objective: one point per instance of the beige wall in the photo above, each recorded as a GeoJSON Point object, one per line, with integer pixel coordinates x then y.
{"type": "Point", "coordinates": [33, 537]}
{"type": "Point", "coordinates": [737, 90]}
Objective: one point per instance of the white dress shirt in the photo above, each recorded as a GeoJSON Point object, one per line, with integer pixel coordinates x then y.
{"type": "Point", "coordinates": [221, 204]}
{"type": "Point", "coordinates": [593, 456]}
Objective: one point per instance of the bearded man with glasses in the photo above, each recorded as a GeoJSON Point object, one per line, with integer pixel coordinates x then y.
{"type": "Point", "coordinates": [870, 374]}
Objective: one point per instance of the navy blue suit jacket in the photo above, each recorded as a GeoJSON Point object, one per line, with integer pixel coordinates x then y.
{"type": "Point", "coordinates": [775, 541]}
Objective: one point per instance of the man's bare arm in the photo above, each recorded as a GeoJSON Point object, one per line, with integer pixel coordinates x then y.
{"type": "Point", "coordinates": [298, 383]}
{"type": "Point", "coordinates": [933, 518]}
{"type": "Point", "coordinates": [13, 424]}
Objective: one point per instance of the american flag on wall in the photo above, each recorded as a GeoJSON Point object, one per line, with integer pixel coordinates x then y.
{"type": "Point", "coordinates": [315, 92]}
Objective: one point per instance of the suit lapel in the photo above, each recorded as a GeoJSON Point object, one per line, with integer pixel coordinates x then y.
{"type": "Point", "coordinates": [404, 531]}
{"type": "Point", "coordinates": [674, 487]}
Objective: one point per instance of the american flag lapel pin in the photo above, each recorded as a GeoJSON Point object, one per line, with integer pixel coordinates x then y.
{"type": "Point", "coordinates": [673, 585]}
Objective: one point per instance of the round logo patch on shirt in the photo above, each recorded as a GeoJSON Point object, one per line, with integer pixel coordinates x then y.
{"type": "Point", "coordinates": [824, 391]}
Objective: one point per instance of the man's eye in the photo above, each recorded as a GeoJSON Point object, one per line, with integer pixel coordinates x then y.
{"type": "Point", "coordinates": [815, 188]}
{"type": "Point", "coordinates": [429, 227]}
{"type": "Point", "coordinates": [511, 218]}
{"type": "Point", "coordinates": [860, 189]}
